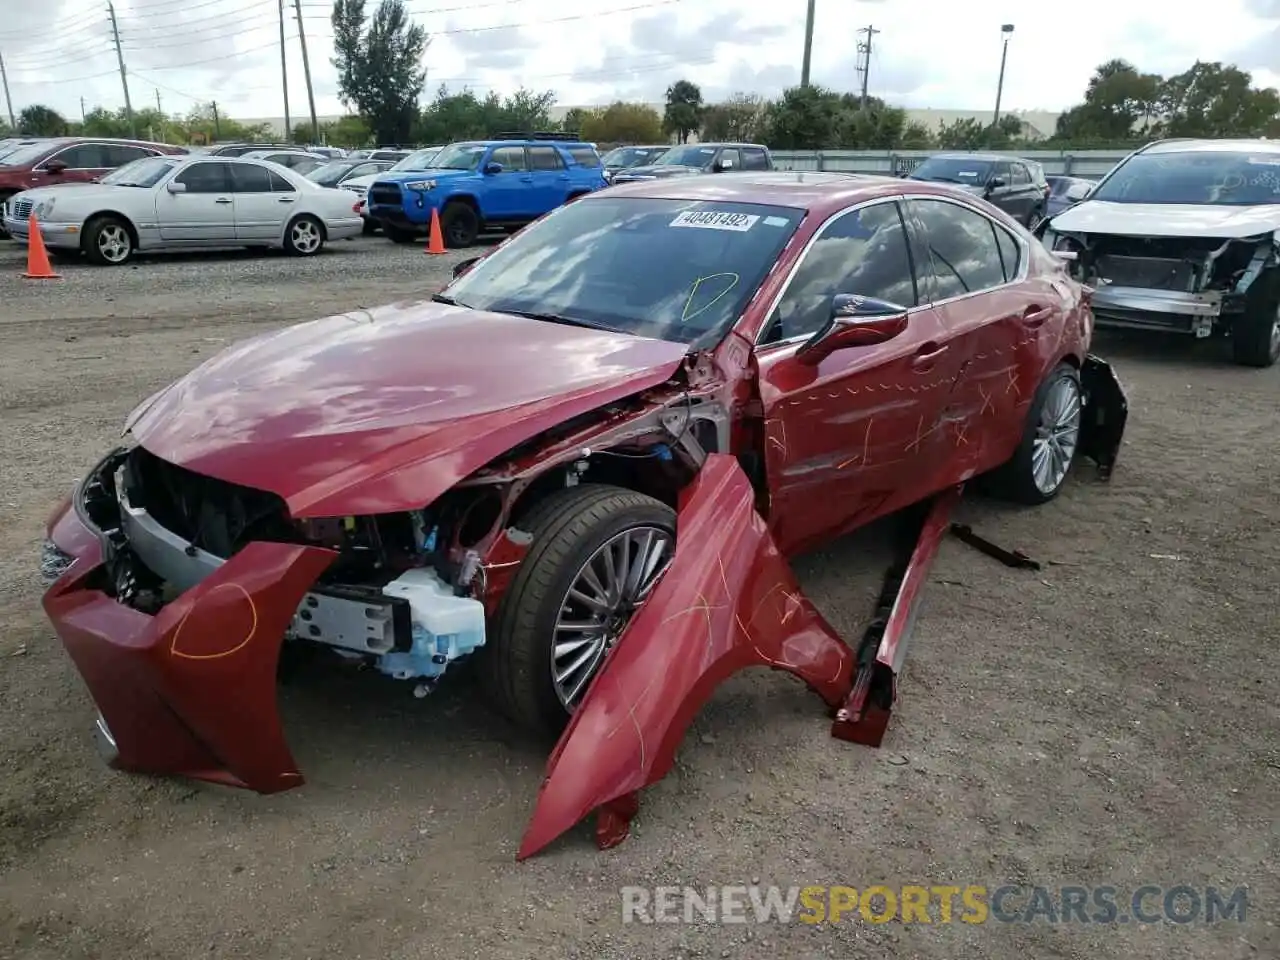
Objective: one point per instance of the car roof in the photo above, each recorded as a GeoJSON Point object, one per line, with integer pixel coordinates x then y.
{"type": "Point", "coordinates": [1213, 146]}
{"type": "Point", "coordinates": [802, 189]}
{"type": "Point", "coordinates": [961, 155]}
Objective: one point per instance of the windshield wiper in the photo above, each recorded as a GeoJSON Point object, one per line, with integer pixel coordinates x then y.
{"type": "Point", "coordinates": [557, 318]}
{"type": "Point", "coordinates": [939, 180]}
{"type": "Point", "coordinates": [446, 300]}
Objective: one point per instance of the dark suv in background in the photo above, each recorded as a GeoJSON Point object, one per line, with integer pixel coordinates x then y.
{"type": "Point", "coordinates": [624, 158]}
{"type": "Point", "coordinates": [1016, 186]}
{"type": "Point", "coordinates": [695, 158]}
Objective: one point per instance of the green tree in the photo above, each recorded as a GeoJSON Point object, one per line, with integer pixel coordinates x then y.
{"type": "Point", "coordinates": [573, 121]}
{"type": "Point", "coordinates": [877, 127]}
{"type": "Point", "coordinates": [1217, 100]}
{"type": "Point", "coordinates": [1119, 101]}
{"type": "Point", "coordinates": [38, 120]}
{"type": "Point", "coordinates": [528, 111]}
{"type": "Point", "coordinates": [916, 136]}
{"type": "Point", "coordinates": [623, 123]}
{"type": "Point", "coordinates": [803, 118]}
{"type": "Point", "coordinates": [206, 124]}
{"type": "Point", "coordinates": [740, 118]}
{"type": "Point", "coordinates": [683, 114]}
{"type": "Point", "coordinates": [968, 133]}
{"type": "Point", "coordinates": [379, 65]}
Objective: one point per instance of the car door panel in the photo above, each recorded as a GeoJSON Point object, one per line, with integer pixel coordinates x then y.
{"type": "Point", "coordinates": [992, 315]}
{"type": "Point", "coordinates": [855, 436]}
{"type": "Point", "coordinates": [205, 212]}
{"type": "Point", "coordinates": [264, 200]}
{"type": "Point", "coordinates": [507, 194]}
{"type": "Point", "coordinates": [550, 179]}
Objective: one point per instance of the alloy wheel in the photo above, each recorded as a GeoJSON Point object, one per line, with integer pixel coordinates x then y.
{"type": "Point", "coordinates": [305, 236]}
{"type": "Point", "coordinates": [602, 597]}
{"type": "Point", "coordinates": [114, 243]}
{"type": "Point", "coordinates": [1057, 435]}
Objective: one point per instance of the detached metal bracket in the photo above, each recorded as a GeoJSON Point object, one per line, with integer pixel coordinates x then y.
{"type": "Point", "coordinates": [1010, 558]}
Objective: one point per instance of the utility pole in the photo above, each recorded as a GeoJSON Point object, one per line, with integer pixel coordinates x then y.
{"type": "Point", "coordinates": [8, 100]}
{"type": "Point", "coordinates": [864, 48]}
{"type": "Point", "coordinates": [124, 79]}
{"type": "Point", "coordinates": [83, 115]}
{"type": "Point", "coordinates": [306, 70]}
{"type": "Point", "coordinates": [217, 123]}
{"type": "Point", "coordinates": [284, 79]}
{"type": "Point", "coordinates": [159, 109]}
{"type": "Point", "coordinates": [808, 45]}
{"type": "Point", "coordinates": [1005, 31]}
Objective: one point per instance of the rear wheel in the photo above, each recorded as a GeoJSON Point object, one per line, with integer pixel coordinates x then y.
{"type": "Point", "coordinates": [1039, 468]}
{"type": "Point", "coordinates": [304, 237]}
{"type": "Point", "coordinates": [460, 224]}
{"type": "Point", "coordinates": [398, 234]}
{"type": "Point", "coordinates": [597, 551]}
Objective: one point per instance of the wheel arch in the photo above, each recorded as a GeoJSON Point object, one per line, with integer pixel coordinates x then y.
{"type": "Point", "coordinates": [122, 217]}
{"type": "Point", "coordinates": [298, 215]}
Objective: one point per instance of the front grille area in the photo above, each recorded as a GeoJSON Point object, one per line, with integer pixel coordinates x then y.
{"type": "Point", "coordinates": [385, 193]}
{"type": "Point", "coordinates": [21, 209]}
{"type": "Point", "coordinates": [1151, 273]}
{"type": "Point", "coordinates": [214, 515]}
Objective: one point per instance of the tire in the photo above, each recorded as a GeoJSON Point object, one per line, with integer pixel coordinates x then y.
{"type": "Point", "coordinates": [108, 241]}
{"type": "Point", "coordinates": [368, 228]}
{"type": "Point", "coordinates": [304, 236]}
{"type": "Point", "coordinates": [398, 235]}
{"type": "Point", "coordinates": [1255, 338]}
{"type": "Point", "coordinates": [1034, 217]}
{"type": "Point", "coordinates": [1016, 479]}
{"type": "Point", "coordinates": [460, 224]}
{"type": "Point", "coordinates": [570, 528]}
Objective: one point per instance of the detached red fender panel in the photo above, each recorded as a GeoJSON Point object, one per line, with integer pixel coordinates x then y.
{"type": "Point", "coordinates": [728, 601]}
{"type": "Point", "coordinates": [192, 690]}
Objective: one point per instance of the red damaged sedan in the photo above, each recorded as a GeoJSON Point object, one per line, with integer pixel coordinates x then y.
{"type": "Point", "coordinates": [580, 465]}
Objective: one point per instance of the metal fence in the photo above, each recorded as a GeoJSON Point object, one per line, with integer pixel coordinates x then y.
{"type": "Point", "coordinates": [1082, 163]}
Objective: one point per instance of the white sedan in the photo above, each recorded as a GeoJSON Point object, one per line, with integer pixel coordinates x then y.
{"type": "Point", "coordinates": [186, 203]}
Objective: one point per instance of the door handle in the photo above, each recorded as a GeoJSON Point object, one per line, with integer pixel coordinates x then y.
{"type": "Point", "coordinates": [527, 179]}
{"type": "Point", "coordinates": [1036, 316]}
{"type": "Point", "coordinates": [928, 355]}
{"type": "Point", "coordinates": [284, 199]}
{"type": "Point", "coordinates": [223, 200]}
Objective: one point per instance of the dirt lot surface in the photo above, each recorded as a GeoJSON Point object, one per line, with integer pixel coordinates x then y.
{"type": "Point", "coordinates": [1109, 720]}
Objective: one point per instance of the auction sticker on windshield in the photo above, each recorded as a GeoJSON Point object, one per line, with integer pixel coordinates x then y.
{"type": "Point", "coordinates": [716, 220]}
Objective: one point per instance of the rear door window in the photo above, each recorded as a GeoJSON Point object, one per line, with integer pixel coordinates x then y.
{"type": "Point", "coordinates": [584, 156]}
{"type": "Point", "coordinates": [754, 158]}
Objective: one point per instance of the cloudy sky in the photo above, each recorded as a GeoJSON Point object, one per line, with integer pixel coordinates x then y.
{"type": "Point", "coordinates": [928, 53]}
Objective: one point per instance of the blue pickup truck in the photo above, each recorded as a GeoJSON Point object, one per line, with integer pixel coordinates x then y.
{"type": "Point", "coordinates": [485, 185]}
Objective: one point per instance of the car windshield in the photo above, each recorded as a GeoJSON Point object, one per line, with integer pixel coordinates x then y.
{"type": "Point", "coordinates": [146, 172]}
{"type": "Point", "coordinates": [686, 156]}
{"type": "Point", "coordinates": [631, 156]}
{"type": "Point", "coordinates": [953, 170]}
{"type": "Point", "coordinates": [702, 262]}
{"type": "Point", "coordinates": [418, 160]}
{"type": "Point", "coordinates": [1060, 185]}
{"type": "Point", "coordinates": [456, 156]}
{"type": "Point", "coordinates": [328, 174]}
{"type": "Point", "coordinates": [1234, 178]}
{"type": "Point", "coordinates": [23, 156]}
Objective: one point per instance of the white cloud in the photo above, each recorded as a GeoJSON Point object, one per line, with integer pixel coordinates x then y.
{"type": "Point", "coordinates": [927, 54]}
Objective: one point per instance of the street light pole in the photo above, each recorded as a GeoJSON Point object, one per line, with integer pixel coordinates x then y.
{"type": "Point", "coordinates": [1005, 31]}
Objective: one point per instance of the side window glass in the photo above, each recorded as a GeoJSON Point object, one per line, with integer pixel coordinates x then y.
{"type": "Point", "coordinates": [730, 159]}
{"type": "Point", "coordinates": [754, 159]}
{"type": "Point", "coordinates": [279, 184]}
{"type": "Point", "coordinates": [84, 156]}
{"type": "Point", "coordinates": [962, 248]}
{"type": "Point", "coordinates": [511, 158]}
{"type": "Point", "coordinates": [250, 178]}
{"type": "Point", "coordinates": [544, 158]}
{"type": "Point", "coordinates": [1020, 175]}
{"type": "Point", "coordinates": [584, 156]}
{"type": "Point", "coordinates": [117, 155]}
{"type": "Point", "coordinates": [205, 178]}
{"type": "Point", "coordinates": [863, 252]}
{"type": "Point", "coordinates": [1010, 251]}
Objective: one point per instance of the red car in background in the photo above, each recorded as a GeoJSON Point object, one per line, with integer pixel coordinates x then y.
{"type": "Point", "coordinates": [701, 375]}
{"type": "Point", "coordinates": [44, 162]}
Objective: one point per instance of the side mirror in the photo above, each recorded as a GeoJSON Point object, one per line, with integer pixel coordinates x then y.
{"type": "Point", "coordinates": [493, 168]}
{"type": "Point", "coordinates": [995, 182]}
{"type": "Point", "coordinates": [1077, 192]}
{"type": "Point", "coordinates": [723, 166]}
{"type": "Point", "coordinates": [460, 268]}
{"type": "Point", "coordinates": [55, 166]}
{"type": "Point", "coordinates": [173, 186]}
{"type": "Point", "coordinates": [855, 322]}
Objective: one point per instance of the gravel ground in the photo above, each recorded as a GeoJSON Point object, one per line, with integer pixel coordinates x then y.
{"type": "Point", "coordinates": [1109, 720]}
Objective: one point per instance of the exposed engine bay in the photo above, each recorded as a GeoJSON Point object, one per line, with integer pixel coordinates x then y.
{"type": "Point", "coordinates": [409, 592]}
{"type": "Point", "coordinates": [1197, 284]}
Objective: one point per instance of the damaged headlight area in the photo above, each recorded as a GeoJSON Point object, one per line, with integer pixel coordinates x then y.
{"type": "Point", "coordinates": [398, 592]}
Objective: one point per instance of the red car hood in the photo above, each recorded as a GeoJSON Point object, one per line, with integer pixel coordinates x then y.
{"type": "Point", "coordinates": [385, 410]}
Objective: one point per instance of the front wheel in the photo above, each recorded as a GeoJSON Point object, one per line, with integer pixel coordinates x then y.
{"type": "Point", "coordinates": [304, 237]}
{"type": "Point", "coordinates": [1255, 337]}
{"type": "Point", "coordinates": [597, 552]}
{"type": "Point", "coordinates": [107, 241]}
{"type": "Point", "coordinates": [1039, 468]}
{"type": "Point", "coordinates": [460, 224]}
{"type": "Point", "coordinates": [398, 235]}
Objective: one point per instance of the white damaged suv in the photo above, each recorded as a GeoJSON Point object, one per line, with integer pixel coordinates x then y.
{"type": "Point", "coordinates": [1183, 236]}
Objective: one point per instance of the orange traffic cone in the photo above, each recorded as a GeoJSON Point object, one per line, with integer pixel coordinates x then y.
{"type": "Point", "coordinates": [38, 266]}
{"type": "Point", "coordinates": [435, 241]}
